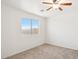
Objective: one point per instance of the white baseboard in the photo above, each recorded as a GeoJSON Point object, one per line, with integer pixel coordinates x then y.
{"type": "Point", "coordinates": [56, 44]}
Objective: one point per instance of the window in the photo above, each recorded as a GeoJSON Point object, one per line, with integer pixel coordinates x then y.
{"type": "Point", "coordinates": [35, 26]}
{"type": "Point", "coordinates": [29, 26]}
{"type": "Point", "coordinates": [26, 25]}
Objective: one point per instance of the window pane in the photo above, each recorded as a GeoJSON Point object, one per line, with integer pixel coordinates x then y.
{"type": "Point", "coordinates": [35, 26]}
{"type": "Point", "coordinates": [26, 25]}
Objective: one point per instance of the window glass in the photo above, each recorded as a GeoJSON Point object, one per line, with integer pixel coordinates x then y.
{"type": "Point", "coordinates": [29, 25]}
{"type": "Point", "coordinates": [26, 25]}
{"type": "Point", "coordinates": [35, 26]}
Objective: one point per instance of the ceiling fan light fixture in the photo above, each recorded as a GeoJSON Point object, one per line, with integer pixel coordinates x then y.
{"type": "Point", "coordinates": [56, 4]}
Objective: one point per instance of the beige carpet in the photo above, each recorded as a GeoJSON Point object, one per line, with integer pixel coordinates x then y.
{"type": "Point", "coordinates": [47, 51]}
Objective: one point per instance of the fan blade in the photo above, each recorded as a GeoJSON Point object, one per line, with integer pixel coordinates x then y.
{"type": "Point", "coordinates": [47, 3]}
{"type": "Point", "coordinates": [49, 8]}
{"type": "Point", "coordinates": [60, 9]}
{"type": "Point", "coordinates": [57, 1]}
{"type": "Point", "coordinates": [66, 3]}
{"type": "Point", "coordinates": [42, 10]}
{"type": "Point", "coordinates": [54, 1]}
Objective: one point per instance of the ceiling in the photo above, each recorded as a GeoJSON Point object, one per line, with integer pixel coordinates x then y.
{"type": "Point", "coordinates": [34, 6]}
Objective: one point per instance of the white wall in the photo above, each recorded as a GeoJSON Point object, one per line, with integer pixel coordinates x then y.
{"type": "Point", "coordinates": [62, 28]}
{"type": "Point", "coordinates": [13, 41]}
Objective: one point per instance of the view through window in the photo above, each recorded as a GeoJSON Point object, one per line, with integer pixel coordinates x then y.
{"type": "Point", "coordinates": [29, 26]}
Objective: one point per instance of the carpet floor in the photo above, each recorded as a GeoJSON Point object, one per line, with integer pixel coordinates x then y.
{"type": "Point", "coordinates": [47, 51]}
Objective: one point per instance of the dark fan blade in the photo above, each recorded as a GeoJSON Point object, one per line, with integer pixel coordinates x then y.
{"type": "Point", "coordinates": [49, 8]}
{"type": "Point", "coordinates": [42, 10]}
{"type": "Point", "coordinates": [57, 1]}
{"type": "Point", "coordinates": [60, 9]}
{"type": "Point", "coordinates": [47, 3]}
{"type": "Point", "coordinates": [66, 3]}
{"type": "Point", "coordinates": [54, 1]}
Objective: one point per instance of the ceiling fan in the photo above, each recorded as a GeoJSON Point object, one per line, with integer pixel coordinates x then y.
{"type": "Point", "coordinates": [55, 3]}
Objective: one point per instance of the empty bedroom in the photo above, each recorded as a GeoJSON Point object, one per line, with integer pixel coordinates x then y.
{"type": "Point", "coordinates": [39, 29]}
